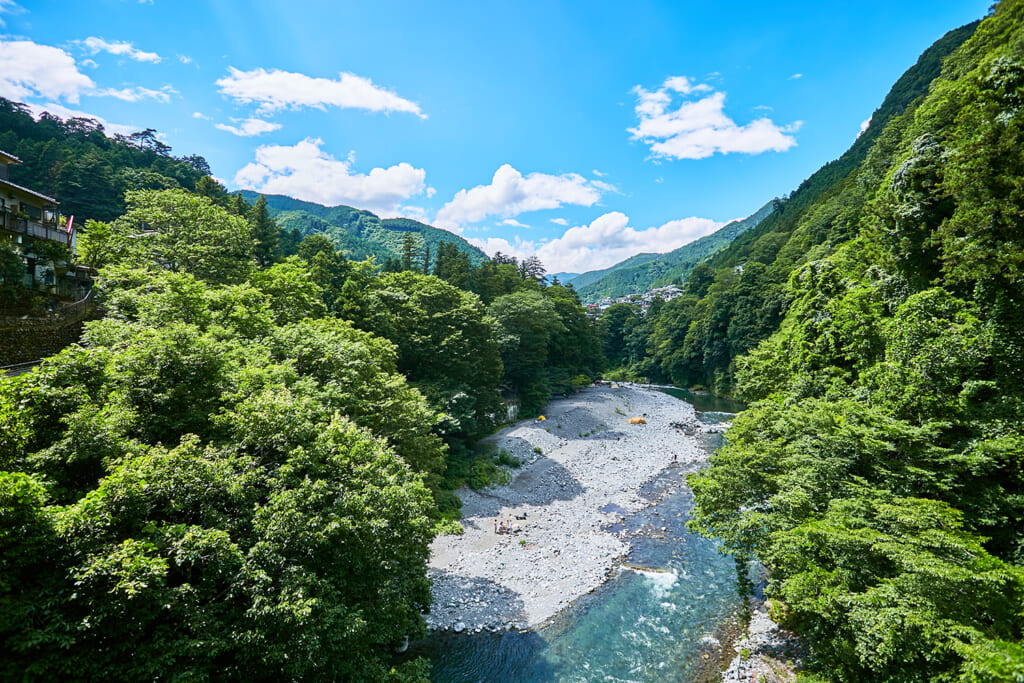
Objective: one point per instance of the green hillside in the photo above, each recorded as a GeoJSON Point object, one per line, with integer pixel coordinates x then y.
{"type": "Point", "coordinates": [749, 296]}
{"type": "Point", "coordinates": [358, 233]}
{"type": "Point", "coordinates": [591, 276]}
{"type": "Point", "coordinates": [876, 329]}
{"type": "Point", "coordinates": [644, 271]}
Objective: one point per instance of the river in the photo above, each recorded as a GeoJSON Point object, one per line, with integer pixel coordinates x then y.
{"type": "Point", "coordinates": [662, 616]}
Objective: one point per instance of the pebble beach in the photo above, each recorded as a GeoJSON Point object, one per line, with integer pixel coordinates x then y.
{"type": "Point", "coordinates": [583, 467]}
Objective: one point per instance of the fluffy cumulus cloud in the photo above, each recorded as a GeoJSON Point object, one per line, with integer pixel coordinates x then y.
{"type": "Point", "coordinates": [31, 70]}
{"type": "Point", "coordinates": [247, 128]}
{"type": "Point", "coordinates": [519, 247]}
{"type": "Point", "coordinates": [275, 90]}
{"type": "Point", "coordinates": [510, 193]}
{"type": "Point", "coordinates": [604, 242]}
{"type": "Point", "coordinates": [119, 48]}
{"type": "Point", "coordinates": [684, 120]}
{"type": "Point", "coordinates": [305, 171]}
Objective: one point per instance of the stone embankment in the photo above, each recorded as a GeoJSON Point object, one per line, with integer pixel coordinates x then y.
{"type": "Point", "coordinates": [583, 469]}
{"type": "Point", "coordinates": [26, 338]}
{"type": "Point", "coordinates": [765, 653]}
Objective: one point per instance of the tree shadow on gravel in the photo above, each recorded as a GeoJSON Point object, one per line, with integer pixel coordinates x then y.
{"type": "Point", "coordinates": [450, 589]}
{"type": "Point", "coordinates": [541, 483]}
{"type": "Point", "coordinates": [506, 655]}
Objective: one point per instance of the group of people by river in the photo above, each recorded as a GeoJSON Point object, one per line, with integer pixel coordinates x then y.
{"type": "Point", "coordinates": [507, 526]}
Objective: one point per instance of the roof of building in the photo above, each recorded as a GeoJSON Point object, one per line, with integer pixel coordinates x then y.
{"type": "Point", "coordinates": [6, 158]}
{"type": "Point", "coordinates": [8, 185]}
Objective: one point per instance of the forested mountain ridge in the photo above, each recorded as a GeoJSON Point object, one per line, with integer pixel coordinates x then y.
{"type": "Point", "coordinates": [360, 233]}
{"type": "Point", "coordinates": [878, 473]}
{"type": "Point", "coordinates": [592, 276]}
{"type": "Point", "coordinates": [642, 272]}
{"type": "Point", "coordinates": [739, 297]}
{"type": "Point", "coordinates": [88, 172]}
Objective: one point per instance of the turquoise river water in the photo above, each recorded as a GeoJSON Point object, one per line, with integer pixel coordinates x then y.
{"type": "Point", "coordinates": [660, 617]}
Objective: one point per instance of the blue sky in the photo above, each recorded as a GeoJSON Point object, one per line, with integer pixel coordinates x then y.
{"type": "Point", "coordinates": [584, 132]}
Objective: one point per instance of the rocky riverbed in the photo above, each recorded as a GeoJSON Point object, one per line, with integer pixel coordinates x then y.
{"type": "Point", "coordinates": [583, 469]}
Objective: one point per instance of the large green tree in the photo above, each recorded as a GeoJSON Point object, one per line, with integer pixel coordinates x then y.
{"type": "Point", "coordinates": [177, 231]}
{"type": "Point", "coordinates": [446, 347]}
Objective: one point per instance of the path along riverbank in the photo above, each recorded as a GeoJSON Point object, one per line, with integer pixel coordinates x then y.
{"type": "Point", "coordinates": [583, 469]}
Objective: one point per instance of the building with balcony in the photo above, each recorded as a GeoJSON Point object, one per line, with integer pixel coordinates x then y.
{"type": "Point", "coordinates": [31, 225]}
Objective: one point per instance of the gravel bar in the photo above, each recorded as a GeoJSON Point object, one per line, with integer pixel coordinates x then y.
{"type": "Point", "coordinates": [582, 460]}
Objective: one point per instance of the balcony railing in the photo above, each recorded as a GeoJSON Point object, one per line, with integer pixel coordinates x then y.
{"type": "Point", "coordinates": [42, 229]}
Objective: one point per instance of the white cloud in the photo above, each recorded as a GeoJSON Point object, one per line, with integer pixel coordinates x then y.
{"type": "Point", "coordinates": [560, 221]}
{"type": "Point", "coordinates": [121, 48]}
{"type": "Point", "coordinates": [275, 89]}
{"type": "Point", "coordinates": [134, 94]}
{"type": "Point", "coordinates": [65, 113]}
{"type": "Point", "coordinates": [184, 59]}
{"type": "Point", "coordinates": [514, 223]}
{"type": "Point", "coordinates": [606, 241]}
{"type": "Point", "coordinates": [510, 194]}
{"type": "Point", "coordinates": [416, 213]}
{"type": "Point", "coordinates": [598, 173]}
{"type": "Point", "coordinates": [201, 115]}
{"type": "Point", "coordinates": [864, 125]}
{"type": "Point", "coordinates": [28, 69]}
{"type": "Point", "coordinates": [698, 128]}
{"type": "Point", "coordinates": [304, 171]}
{"type": "Point", "coordinates": [249, 127]}
{"type": "Point", "coordinates": [492, 245]}
{"type": "Point", "coordinates": [795, 76]}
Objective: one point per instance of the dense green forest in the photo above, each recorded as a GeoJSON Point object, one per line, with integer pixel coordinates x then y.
{"type": "Point", "coordinates": [74, 160]}
{"type": "Point", "coordinates": [879, 472]}
{"type": "Point", "coordinates": [642, 272]}
{"type": "Point", "coordinates": [361, 234]}
{"type": "Point", "coordinates": [238, 472]}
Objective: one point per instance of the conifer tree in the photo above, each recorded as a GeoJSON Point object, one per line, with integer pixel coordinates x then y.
{"type": "Point", "coordinates": [265, 231]}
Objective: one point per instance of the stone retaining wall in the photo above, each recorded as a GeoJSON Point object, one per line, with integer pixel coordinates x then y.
{"type": "Point", "coordinates": [21, 345]}
{"type": "Point", "coordinates": [25, 339]}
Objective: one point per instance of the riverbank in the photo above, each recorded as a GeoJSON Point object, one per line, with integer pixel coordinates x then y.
{"type": "Point", "coordinates": [583, 469]}
{"type": "Point", "coordinates": [765, 653]}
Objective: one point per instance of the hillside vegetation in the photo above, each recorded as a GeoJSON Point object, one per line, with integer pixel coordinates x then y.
{"type": "Point", "coordinates": [74, 161]}
{"type": "Point", "coordinates": [879, 471]}
{"type": "Point", "coordinates": [361, 234]}
{"type": "Point", "coordinates": [740, 296]}
{"type": "Point", "coordinates": [642, 272]}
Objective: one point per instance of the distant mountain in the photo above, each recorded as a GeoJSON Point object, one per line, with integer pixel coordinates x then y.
{"type": "Point", "coordinates": [642, 272]}
{"type": "Point", "coordinates": [592, 276]}
{"type": "Point", "coordinates": [563, 278]}
{"type": "Point", "coordinates": [359, 233]}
